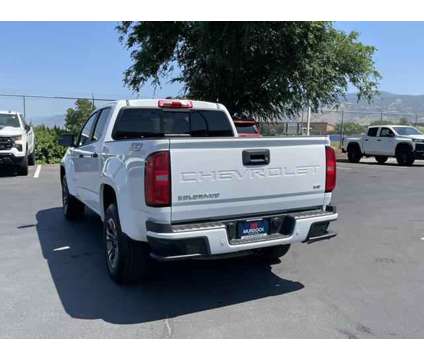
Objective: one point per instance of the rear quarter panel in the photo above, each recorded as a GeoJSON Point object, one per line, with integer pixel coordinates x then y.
{"type": "Point", "coordinates": [123, 169]}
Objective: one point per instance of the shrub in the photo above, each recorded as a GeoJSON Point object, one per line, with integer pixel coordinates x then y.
{"type": "Point", "coordinates": [47, 148]}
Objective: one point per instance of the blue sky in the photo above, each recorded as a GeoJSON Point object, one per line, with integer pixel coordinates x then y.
{"type": "Point", "coordinates": [63, 58]}
{"type": "Point", "coordinates": [400, 52]}
{"type": "Point", "coordinates": [80, 59]}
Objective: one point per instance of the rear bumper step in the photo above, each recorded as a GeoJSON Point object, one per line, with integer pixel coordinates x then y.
{"type": "Point", "coordinates": [211, 239]}
{"type": "Point", "coordinates": [326, 236]}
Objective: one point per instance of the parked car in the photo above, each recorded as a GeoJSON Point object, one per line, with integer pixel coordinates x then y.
{"type": "Point", "coordinates": [405, 143]}
{"type": "Point", "coordinates": [247, 127]}
{"type": "Point", "coordinates": [17, 144]}
{"type": "Point", "coordinates": [171, 181]}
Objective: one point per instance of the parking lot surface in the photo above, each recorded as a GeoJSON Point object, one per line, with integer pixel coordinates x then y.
{"type": "Point", "coordinates": [366, 283]}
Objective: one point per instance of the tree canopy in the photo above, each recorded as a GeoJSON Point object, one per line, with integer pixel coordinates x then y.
{"type": "Point", "coordinates": [264, 69]}
{"type": "Point", "coordinates": [76, 117]}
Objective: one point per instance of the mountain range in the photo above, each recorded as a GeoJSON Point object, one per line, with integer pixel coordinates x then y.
{"type": "Point", "coordinates": [393, 106]}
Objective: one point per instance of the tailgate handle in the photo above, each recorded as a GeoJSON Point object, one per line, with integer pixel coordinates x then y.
{"type": "Point", "coordinates": [256, 157]}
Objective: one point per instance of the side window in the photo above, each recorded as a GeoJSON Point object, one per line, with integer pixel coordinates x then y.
{"type": "Point", "coordinates": [85, 134]}
{"type": "Point", "coordinates": [386, 132]}
{"type": "Point", "coordinates": [372, 131]}
{"type": "Point", "coordinates": [101, 123]}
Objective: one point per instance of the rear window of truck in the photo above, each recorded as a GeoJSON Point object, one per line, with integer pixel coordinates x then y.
{"type": "Point", "coordinates": [246, 128]}
{"type": "Point", "coordinates": [141, 123]}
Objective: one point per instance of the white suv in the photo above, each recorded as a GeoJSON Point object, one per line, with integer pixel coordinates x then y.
{"type": "Point", "coordinates": [17, 146]}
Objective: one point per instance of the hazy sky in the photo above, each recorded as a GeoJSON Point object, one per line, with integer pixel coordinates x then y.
{"type": "Point", "coordinates": [81, 59]}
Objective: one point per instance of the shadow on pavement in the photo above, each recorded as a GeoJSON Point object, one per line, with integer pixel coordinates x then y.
{"type": "Point", "coordinates": [7, 171]}
{"type": "Point", "coordinates": [75, 257]}
{"type": "Point", "coordinates": [374, 163]}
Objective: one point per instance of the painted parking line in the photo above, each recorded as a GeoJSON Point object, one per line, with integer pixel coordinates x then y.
{"type": "Point", "coordinates": [389, 166]}
{"type": "Point", "coordinates": [37, 171]}
{"type": "Point", "coordinates": [62, 248]}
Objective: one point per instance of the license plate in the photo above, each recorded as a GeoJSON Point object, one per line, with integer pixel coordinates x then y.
{"type": "Point", "coordinates": [252, 229]}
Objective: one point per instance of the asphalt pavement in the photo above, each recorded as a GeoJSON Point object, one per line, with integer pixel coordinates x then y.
{"type": "Point", "coordinates": [366, 283]}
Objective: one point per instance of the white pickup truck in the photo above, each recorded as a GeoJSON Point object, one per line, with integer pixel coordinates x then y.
{"type": "Point", "coordinates": [17, 145]}
{"type": "Point", "coordinates": [171, 180]}
{"type": "Point", "coordinates": [405, 143]}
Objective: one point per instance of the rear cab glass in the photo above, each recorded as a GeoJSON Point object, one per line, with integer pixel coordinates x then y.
{"type": "Point", "coordinates": [143, 122]}
{"type": "Point", "coordinates": [246, 128]}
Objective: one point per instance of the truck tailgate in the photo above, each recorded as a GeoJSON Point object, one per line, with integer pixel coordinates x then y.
{"type": "Point", "coordinates": [215, 178]}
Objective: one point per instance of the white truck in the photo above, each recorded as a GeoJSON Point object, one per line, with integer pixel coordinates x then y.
{"type": "Point", "coordinates": [171, 180]}
{"type": "Point", "coordinates": [405, 143]}
{"type": "Point", "coordinates": [17, 143]}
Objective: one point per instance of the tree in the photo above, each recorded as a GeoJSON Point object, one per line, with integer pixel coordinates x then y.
{"type": "Point", "coordinates": [263, 69]}
{"type": "Point", "coordinates": [381, 122]}
{"type": "Point", "coordinates": [349, 128]}
{"type": "Point", "coordinates": [403, 121]}
{"type": "Point", "coordinates": [75, 118]}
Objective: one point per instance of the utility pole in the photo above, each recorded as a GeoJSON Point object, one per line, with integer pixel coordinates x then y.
{"type": "Point", "coordinates": [308, 121]}
{"type": "Point", "coordinates": [300, 129]}
{"type": "Point", "coordinates": [341, 130]}
{"type": "Point", "coordinates": [24, 103]}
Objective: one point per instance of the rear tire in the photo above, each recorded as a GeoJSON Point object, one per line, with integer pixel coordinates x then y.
{"type": "Point", "coordinates": [381, 159]}
{"type": "Point", "coordinates": [127, 261]}
{"type": "Point", "coordinates": [274, 252]}
{"type": "Point", "coordinates": [22, 168]}
{"type": "Point", "coordinates": [405, 155]}
{"type": "Point", "coordinates": [72, 208]}
{"type": "Point", "coordinates": [354, 153]}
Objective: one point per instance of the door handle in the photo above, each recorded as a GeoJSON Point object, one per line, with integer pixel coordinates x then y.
{"type": "Point", "coordinates": [365, 139]}
{"type": "Point", "coordinates": [378, 139]}
{"type": "Point", "coordinates": [87, 156]}
{"type": "Point", "coordinates": [256, 157]}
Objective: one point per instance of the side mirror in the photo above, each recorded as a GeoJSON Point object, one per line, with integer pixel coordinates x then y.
{"type": "Point", "coordinates": [27, 127]}
{"type": "Point", "coordinates": [67, 140]}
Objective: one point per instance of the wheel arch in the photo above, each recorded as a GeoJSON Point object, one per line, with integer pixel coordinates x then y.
{"type": "Point", "coordinates": [403, 145]}
{"type": "Point", "coordinates": [107, 197]}
{"type": "Point", "coordinates": [354, 144]}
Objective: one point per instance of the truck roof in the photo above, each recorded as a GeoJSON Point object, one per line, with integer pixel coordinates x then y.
{"type": "Point", "coordinates": [204, 105]}
{"type": "Point", "coordinates": [9, 112]}
{"type": "Point", "coordinates": [390, 125]}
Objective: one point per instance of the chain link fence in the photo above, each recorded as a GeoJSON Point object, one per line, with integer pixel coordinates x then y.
{"type": "Point", "coordinates": [339, 123]}
{"type": "Point", "coordinates": [44, 110]}
{"type": "Point", "coordinates": [51, 111]}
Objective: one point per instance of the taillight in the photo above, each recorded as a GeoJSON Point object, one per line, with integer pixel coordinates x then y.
{"type": "Point", "coordinates": [330, 169]}
{"type": "Point", "coordinates": [157, 179]}
{"type": "Point", "coordinates": [175, 104]}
